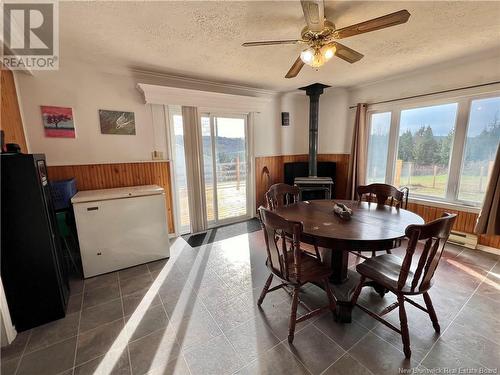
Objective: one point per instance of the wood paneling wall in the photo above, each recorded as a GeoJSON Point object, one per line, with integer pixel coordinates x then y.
{"type": "Point", "coordinates": [10, 116]}
{"type": "Point", "coordinates": [465, 221]}
{"type": "Point", "coordinates": [105, 176]}
{"type": "Point", "coordinates": [275, 166]}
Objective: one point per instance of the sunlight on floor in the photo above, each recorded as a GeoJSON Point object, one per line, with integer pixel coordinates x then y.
{"type": "Point", "coordinates": [120, 344]}
{"type": "Point", "coordinates": [228, 259]}
{"type": "Point", "coordinates": [466, 269]}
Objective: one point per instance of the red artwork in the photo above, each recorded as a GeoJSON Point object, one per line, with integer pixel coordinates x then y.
{"type": "Point", "coordinates": [58, 122]}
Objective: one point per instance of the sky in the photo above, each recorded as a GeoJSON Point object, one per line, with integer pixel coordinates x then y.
{"type": "Point", "coordinates": [441, 118]}
{"type": "Point", "coordinates": [226, 127]}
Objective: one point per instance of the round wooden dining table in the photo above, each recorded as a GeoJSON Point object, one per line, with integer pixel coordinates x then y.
{"type": "Point", "coordinates": [372, 227]}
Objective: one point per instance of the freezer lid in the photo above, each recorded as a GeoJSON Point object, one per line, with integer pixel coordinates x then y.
{"type": "Point", "coordinates": [116, 193]}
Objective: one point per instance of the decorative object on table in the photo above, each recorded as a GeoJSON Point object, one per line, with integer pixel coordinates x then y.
{"type": "Point", "coordinates": [342, 211]}
{"type": "Point", "coordinates": [58, 122]}
{"type": "Point", "coordinates": [117, 122]}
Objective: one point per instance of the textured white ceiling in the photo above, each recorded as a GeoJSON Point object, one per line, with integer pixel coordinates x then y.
{"type": "Point", "coordinates": [203, 39]}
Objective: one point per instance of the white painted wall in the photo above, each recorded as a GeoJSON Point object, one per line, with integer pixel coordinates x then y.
{"type": "Point", "coordinates": [465, 72]}
{"type": "Point", "coordinates": [88, 88]}
{"type": "Point", "coordinates": [333, 135]}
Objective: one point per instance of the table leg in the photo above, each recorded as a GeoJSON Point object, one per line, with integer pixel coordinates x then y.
{"type": "Point", "coordinates": [339, 263]}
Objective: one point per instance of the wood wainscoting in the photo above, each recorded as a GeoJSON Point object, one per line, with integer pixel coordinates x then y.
{"type": "Point", "coordinates": [465, 221]}
{"type": "Point", "coordinates": [10, 116]}
{"type": "Point", "coordinates": [106, 176]}
{"type": "Point", "coordinates": [275, 166]}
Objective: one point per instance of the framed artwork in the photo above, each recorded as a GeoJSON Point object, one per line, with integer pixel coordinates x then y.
{"type": "Point", "coordinates": [58, 122]}
{"type": "Point", "coordinates": [117, 122]}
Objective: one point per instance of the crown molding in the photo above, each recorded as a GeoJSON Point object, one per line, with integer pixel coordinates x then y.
{"type": "Point", "coordinates": [167, 95]}
{"type": "Point", "coordinates": [219, 86]}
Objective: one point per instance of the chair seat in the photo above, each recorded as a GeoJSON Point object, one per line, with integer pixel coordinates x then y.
{"type": "Point", "coordinates": [311, 268]}
{"type": "Point", "coordinates": [384, 270]}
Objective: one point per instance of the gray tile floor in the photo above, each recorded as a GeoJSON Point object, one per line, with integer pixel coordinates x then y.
{"type": "Point", "coordinates": [196, 314]}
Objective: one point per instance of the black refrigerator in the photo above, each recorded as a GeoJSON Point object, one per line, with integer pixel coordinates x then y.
{"type": "Point", "coordinates": [34, 274]}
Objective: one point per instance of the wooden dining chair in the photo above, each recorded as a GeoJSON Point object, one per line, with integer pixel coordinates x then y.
{"type": "Point", "coordinates": [293, 266]}
{"type": "Point", "coordinates": [401, 278]}
{"type": "Point", "coordinates": [280, 195]}
{"type": "Point", "coordinates": [383, 194]}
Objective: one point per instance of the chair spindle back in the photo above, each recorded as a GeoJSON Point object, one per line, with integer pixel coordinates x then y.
{"type": "Point", "coordinates": [280, 195]}
{"type": "Point", "coordinates": [280, 251]}
{"type": "Point", "coordinates": [435, 234]}
{"type": "Point", "coordinates": [384, 194]}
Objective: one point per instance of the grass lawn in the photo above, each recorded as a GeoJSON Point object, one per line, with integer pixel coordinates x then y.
{"type": "Point", "coordinates": [471, 187]}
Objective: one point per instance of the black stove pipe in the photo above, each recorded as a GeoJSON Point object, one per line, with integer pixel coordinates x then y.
{"type": "Point", "coordinates": [313, 91]}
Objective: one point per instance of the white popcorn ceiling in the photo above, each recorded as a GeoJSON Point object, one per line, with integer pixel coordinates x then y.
{"type": "Point", "coordinates": [203, 39]}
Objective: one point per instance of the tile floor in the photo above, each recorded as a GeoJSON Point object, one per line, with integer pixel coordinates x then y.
{"type": "Point", "coordinates": [196, 314]}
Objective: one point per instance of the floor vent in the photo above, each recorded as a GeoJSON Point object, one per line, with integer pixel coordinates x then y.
{"type": "Point", "coordinates": [468, 240]}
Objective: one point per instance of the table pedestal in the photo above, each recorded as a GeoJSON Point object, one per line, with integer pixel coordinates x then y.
{"type": "Point", "coordinates": [343, 293]}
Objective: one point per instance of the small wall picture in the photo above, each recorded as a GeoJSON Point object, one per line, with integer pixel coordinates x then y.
{"type": "Point", "coordinates": [58, 122]}
{"type": "Point", "coordinates": [117, 122]}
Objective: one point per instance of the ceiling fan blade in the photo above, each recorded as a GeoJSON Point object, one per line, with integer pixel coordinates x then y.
{"type": "Point", "coordinates": [388, 20]}
{"type": "Point", "coordinates": [270, 42]}
{"type": "Point", "coordinates": [295, 69]}
{"type": "Point", "coordinates": [346, 53]}
{"type": "Point", "coordinates": [314, 13]}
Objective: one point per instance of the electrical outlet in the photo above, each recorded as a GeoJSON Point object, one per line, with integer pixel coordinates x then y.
{"type": "Point", "coordinates": [157, 155]}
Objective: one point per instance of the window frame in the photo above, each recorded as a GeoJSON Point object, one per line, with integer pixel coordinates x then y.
{"type": "Point", "coordinates": [457, 153]}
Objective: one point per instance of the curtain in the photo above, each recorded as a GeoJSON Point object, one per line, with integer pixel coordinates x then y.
{"type": "Point", "coordinates": [488, 221]}
{"type": "Point", "coordinates": [358, 159]}
{"type": "Point", "coordinates": [194, 168]}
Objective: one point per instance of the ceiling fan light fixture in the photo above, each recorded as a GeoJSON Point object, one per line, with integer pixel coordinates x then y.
{"type": "Point", "coordinates": [313, 57]}
{"type": "Point", "coordinates": [307, 56]}
{"type": "Point", "coordinates": [328, 52]}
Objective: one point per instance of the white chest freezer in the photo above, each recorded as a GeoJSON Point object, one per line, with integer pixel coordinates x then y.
{"type": "Point", "coordinates": [120, 228]}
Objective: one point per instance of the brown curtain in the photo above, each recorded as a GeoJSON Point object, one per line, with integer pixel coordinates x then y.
{"type": "Point", "coordinates": [488, 221]}
{"type": "Point", "coordinates": [357, 161]}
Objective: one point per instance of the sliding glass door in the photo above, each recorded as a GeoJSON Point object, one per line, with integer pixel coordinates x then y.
{"type": "Point", "coordinates": [225, 163]}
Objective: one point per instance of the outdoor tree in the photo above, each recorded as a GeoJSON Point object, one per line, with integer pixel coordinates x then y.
{"type": "Point", "coordinates": [445, 147]}
{"type": "Point", "coordinates": [405, 149]}
{"type": "Point", "coordinates": [484, 145]}
{"type": "Point", "coordinates": [426, 149]}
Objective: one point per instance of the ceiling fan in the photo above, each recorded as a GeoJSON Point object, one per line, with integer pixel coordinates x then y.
{"type": "Point", "coordinates": [320, 36]}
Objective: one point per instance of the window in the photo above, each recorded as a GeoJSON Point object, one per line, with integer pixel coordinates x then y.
{"type": "Point", "coordinates": [425, 140]}
{"type": "Point", "coordinates": [378, 144]}
{"type": "Point", "coordinates": [483, 134]}
{"type": "Point", "coordinates": [444, 151]}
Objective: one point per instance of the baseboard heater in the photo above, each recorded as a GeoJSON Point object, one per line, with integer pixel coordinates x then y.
{"type": "Point", "coordinates": [468, 240]}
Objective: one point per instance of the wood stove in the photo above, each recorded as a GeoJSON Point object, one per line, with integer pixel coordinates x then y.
{"type": "Point", "coordinates": [318, 186]}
